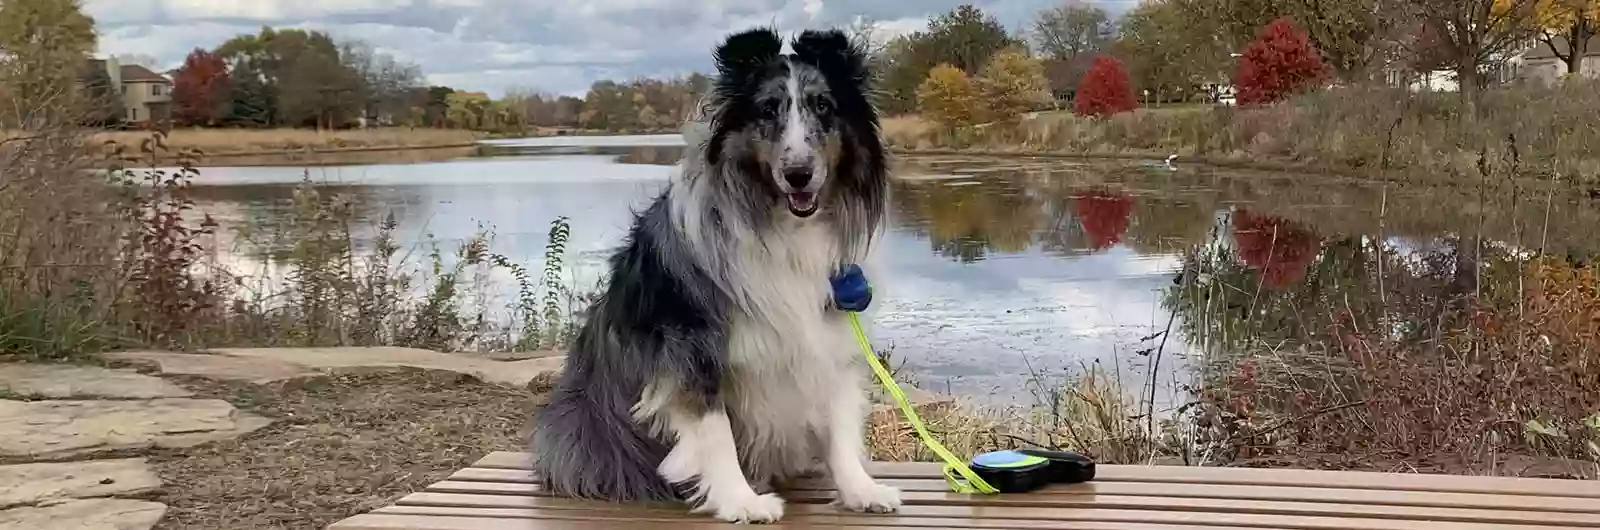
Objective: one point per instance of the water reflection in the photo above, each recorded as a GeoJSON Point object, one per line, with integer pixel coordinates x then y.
{"type": "Point", "coordinates": [997, 271]}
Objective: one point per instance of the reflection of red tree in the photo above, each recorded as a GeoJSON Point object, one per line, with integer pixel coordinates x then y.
{"type": "Point", "coordinates": [1281, 249]}
{"type": "Point", "coordinates": [1105, 215]}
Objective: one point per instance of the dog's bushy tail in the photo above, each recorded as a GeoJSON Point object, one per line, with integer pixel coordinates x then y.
{"type": "Point", "coordinates": [587, 450]}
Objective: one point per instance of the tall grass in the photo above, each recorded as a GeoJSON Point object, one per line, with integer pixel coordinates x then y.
{"type": "Point", "coordinates": [1428, 137]}
{"type": "Point", "coordinates": [126, 260]}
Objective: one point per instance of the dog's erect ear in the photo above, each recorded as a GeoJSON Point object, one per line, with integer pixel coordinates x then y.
{"type": "Point", "coordinates": [746, 52]}
{"type": "Point", "coordinates": [832, 52]}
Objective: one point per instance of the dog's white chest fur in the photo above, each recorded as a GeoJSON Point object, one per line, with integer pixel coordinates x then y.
{"type": "Point", "coordinates": [787, 350]}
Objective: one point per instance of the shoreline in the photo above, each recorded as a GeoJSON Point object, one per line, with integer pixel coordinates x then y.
{"type": "Point", "coordinates": [309, 157]}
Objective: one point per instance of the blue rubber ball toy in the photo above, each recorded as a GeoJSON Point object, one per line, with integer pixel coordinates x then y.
{"type": "Point", "coordinates": [851, 292]}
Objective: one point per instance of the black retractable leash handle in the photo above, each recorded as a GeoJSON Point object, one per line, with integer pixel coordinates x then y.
{"type": "Point", "coordinates": [1025, 470]}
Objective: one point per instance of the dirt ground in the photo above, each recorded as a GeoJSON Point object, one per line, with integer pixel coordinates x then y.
{"type": "Point", "coordinates": [342, 445]}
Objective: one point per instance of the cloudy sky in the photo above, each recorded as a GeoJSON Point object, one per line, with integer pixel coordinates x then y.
{"type": "Point", "coordinates": [489, 45]}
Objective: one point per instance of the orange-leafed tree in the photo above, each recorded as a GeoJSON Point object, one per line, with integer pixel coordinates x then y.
{"type": "Point", "coordinates": [1566, 26]}
{"type": "Point", "coordinates": [1105, 91]}
{"type": "Point", "coordinates": [1280, 63]}
{"type": "Point", "coordinates": [202, 89]}
{"type": "Point", "coordinates": [949, 97]}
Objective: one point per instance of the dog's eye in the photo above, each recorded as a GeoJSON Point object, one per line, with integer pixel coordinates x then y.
{"type": "Point", "coordinates": [824, 107]}
{"type": "Point", "coordinates": [771, 107]}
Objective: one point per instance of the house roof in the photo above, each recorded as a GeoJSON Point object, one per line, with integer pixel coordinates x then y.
{"type": "Point", "coordinates": [1543, 51]}
{"type": "Point", "coordinates": [133, 73]}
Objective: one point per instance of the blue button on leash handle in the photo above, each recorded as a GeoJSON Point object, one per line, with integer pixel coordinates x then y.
{"type": "Point", "coordinates": [851, 292]}
{"type": "Point", "coordinates": [1018, 471]}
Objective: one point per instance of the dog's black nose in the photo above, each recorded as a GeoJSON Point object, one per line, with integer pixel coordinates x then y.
{"type": "Point", "coordinates": [797, 177]}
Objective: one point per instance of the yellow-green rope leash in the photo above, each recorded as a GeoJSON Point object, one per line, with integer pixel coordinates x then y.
{"type": "Point", "coordinates": [952, 464]}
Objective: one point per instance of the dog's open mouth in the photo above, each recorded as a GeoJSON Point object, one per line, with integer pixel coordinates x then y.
{"type": "Point", "coordinates": [802, 204]}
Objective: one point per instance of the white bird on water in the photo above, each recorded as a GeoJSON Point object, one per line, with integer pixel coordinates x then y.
{"type": "Point", "coordinates": [1166, 164]}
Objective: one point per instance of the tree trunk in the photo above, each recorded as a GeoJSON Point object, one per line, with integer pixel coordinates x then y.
{"type": "Point", "coordinates": [1467, 78]}
{"type": "Point", "coordinates": [1578, 47]}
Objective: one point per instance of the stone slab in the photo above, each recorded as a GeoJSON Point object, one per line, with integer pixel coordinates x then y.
{"type": "Point", "coordinates": [252, 370]}
{"type": "Point", "coordinates": [55, 429]}
{"type": "Point", "coordinates": [89, 514]}
{"type": "Point", "coordinates": [51, 481]}
{"type": "Point", "coordinates": [57, 381]}
{"type": "Point", "coordinates": [262, 365]}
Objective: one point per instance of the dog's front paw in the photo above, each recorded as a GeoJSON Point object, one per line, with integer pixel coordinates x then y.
{"type": "Point", "coordinates": [766, 508]}
{"type": "Point", "coordinates": [871, 497]}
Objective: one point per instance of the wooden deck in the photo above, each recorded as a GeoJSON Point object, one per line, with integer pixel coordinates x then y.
{"type": "Point", "coordinates": [498, 493]}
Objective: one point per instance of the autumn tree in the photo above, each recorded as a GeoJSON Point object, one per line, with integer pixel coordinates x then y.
{"type": "Point", "coordinates": [1105, 215]}
{"type": "Point", "coordinates": [1281, 249]}
{"type": "Point", "coordinates": [291, 77]}
{"type": "Point", "coordinates": [1573, 22]}
{"type": "Point", "coordinates": [1067, 38]}
{"type": "Point", "coordinates": [385, 81]}
{"type": "Point", "coordinates": [202, 91]}
{"type": "Point", "coordinates": [1165, 51]}
{"type": "Point", "coordinates": [1011, 84]}
{"type": "Point", "coordinates": [1473, 34]}
{"type": "Point", "coordinates": [1280, 63]}
{"type": "Point", "coordinates": [1349, 34]}
{"type": "Point", "coordinates": [964, 37]}
{"type": "Point", "coordinates": [1105, 90]}
{"type": "Point", "coordinates": [1072, 29]}
{"type": "Point", "coordinates": [948, 97]}
{"type": "Point", "coordinates": [44, 49]}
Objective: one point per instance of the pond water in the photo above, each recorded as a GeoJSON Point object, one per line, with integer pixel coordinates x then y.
{"type": "Point", "coordinates": [998, 270]}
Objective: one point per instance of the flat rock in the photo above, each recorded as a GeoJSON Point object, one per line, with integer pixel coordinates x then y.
{"type": "Point", "coordinates": [52, 429]}
{"type": "Point", "coordinates": [50, 481]}
{"type": "Point", "coordinates": [253, 370]}
{"type": "Point", "coordinates": [89, 514]}
{"type": "Point", "coordinates": [262, 365]}
{"type": "Point", "coordinates": [58, 381]}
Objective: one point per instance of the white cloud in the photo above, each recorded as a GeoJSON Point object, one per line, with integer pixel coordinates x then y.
{"type": "Point", "coordinates": [813, 8]}
{"type": "Point", "coordinates": [489, 45]}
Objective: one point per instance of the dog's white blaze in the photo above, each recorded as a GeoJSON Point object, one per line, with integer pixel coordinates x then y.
{"type": "Point", "coordinates": [796, 133]}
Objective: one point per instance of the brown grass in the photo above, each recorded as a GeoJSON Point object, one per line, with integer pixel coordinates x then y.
{"type": "Point", "coordinates": [1364, 130]}
{"type": "Point", "coordinates": [341, 445]}
{"type": "Point", "coordinates": [1090, 413]}
{"type": "Point", "coordinates": [1396, 364]}
{"type": "Point", "coordinates": [215, 142]}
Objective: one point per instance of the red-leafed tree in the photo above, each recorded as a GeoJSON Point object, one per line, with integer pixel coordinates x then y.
{"type": "Point", "coordinates": [1105, 215]}
{"type": "Point", "coordinates": [1281, 249]}
{"type": "Point", "coordinates": [1105, 90]}
{"type": "Point", "coordinates": [1281, 62]}
{"type": "Point", "coordinates": [202, 89]}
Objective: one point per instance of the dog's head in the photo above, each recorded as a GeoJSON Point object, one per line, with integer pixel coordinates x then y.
{"type": "Point", "coordinates": [799, 124]}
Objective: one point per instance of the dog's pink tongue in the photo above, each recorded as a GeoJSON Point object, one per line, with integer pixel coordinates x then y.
{"type": "Point", "coordinates": [802, 200]}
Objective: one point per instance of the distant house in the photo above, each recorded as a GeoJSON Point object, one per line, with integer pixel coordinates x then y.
{"type": "Point", "coordinates": [1542, 64]}
{"type": "Point", "coordinates": [146, 96]}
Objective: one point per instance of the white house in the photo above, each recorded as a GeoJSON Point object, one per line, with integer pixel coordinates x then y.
{"type": "Point", "coordinates": [1542, 64]}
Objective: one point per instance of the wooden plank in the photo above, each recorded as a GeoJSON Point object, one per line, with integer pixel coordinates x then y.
{"type": "Point", "coordinates": [1237, 476]}
{"type": "Point", "coordinates": [917, 507]}
{"type": "Point", "coordinates": [791, 519]}
{"type": "Point", "coordinates": [956, 516]}
{"type": "Point", "coordinates": [387, 521]}
{"type": "Point", "coordinates": [383, 521]}
{"type": "Point", "coordinates": [1216, 491]}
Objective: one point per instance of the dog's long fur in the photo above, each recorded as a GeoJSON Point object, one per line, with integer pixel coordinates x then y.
{"type": "Point", "coordinates": [714, 359]}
